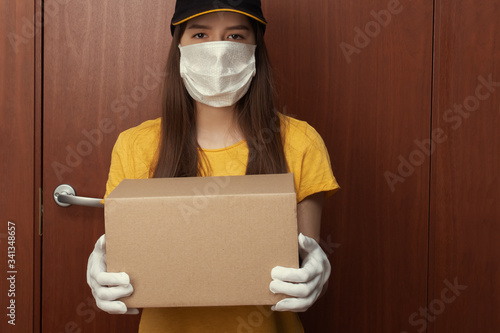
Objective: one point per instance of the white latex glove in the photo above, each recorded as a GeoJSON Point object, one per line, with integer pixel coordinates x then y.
{"type": "Point", "coordinates": [107, 287]}
{"type": "Point", "coordinates": [304, 284]}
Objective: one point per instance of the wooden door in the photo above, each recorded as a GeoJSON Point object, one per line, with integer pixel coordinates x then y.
{"type": "Point", "coordinates": [464, 294]}
{"type": "Point", "coordinates": [103, 73]}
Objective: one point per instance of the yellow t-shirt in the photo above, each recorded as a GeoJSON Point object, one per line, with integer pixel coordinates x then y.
{"type": "Point", "coordinates": [307, 158]}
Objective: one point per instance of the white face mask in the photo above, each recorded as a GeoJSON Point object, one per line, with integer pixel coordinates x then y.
{"type": "Point", "coordinates": [217, 73]}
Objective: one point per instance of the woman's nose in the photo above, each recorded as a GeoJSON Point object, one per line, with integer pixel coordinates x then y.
{"type": "Point", "coordinates": [220, 37]}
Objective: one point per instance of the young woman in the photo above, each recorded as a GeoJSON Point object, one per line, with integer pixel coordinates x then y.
{"type": "Point", "coordinates": [219, 118]}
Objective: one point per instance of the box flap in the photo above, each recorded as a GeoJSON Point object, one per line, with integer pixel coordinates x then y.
{"type": "Point", "coordinates": [204, 186]}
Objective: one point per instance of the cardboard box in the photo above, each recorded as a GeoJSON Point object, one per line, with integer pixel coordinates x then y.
{"type": "Point", "coordinates": [202, 241]}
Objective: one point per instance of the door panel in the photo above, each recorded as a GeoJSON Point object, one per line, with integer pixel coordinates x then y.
{"type": "Point", "coordinates": [103, 65]}
{"type": "Point", "coordinates": [369, 108]}
{"type": "Point", "coordinates": [465, 213]}
{"type": "Point", "coordinates": [18, 197]}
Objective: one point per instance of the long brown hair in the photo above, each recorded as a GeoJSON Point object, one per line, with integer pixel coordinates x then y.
{"type": "Point", "coordinates": [179, 154]}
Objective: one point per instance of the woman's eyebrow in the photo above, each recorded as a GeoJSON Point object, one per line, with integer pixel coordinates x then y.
{"type": "Point", "coordinates": [238, 27]}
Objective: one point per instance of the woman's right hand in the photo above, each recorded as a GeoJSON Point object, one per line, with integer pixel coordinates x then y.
{"type": "Point", "coordinates": [107, 287]}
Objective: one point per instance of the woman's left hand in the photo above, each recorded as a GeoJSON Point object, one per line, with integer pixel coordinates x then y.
{"type": "Point", "coordinates": [304, 284]}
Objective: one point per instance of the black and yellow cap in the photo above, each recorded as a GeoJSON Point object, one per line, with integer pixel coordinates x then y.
{"type": "Point", "coordinates": [188, 9]}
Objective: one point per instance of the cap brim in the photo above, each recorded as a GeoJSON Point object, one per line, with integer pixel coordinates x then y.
{"type": "Point", "coordinates": [220, 10]}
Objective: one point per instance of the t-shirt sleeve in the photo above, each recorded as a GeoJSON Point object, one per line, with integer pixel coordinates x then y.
{"type": "Point", "coordinates": [316, 173]}
{"type": "Point", "coordinates": [133, 154]}
{"type": "Point", "coordinates": [119, 160]}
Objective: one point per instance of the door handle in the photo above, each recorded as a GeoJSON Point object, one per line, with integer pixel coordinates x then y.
{"type": "Point", "coordinates": [65, 196]}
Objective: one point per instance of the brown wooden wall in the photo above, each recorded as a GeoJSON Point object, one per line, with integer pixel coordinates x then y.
{"type": "Point", "coordinates": [465, 182]}
{"type": "Point", "coordinates": [368, 107]}
{"type": "Point", "coordinates": [18, 198]}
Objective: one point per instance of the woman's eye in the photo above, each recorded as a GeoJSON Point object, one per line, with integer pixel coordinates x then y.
{"type": "Point", "coordinates": [200, 35]}
{"type": "Point", "coordinates": [235, 36]}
